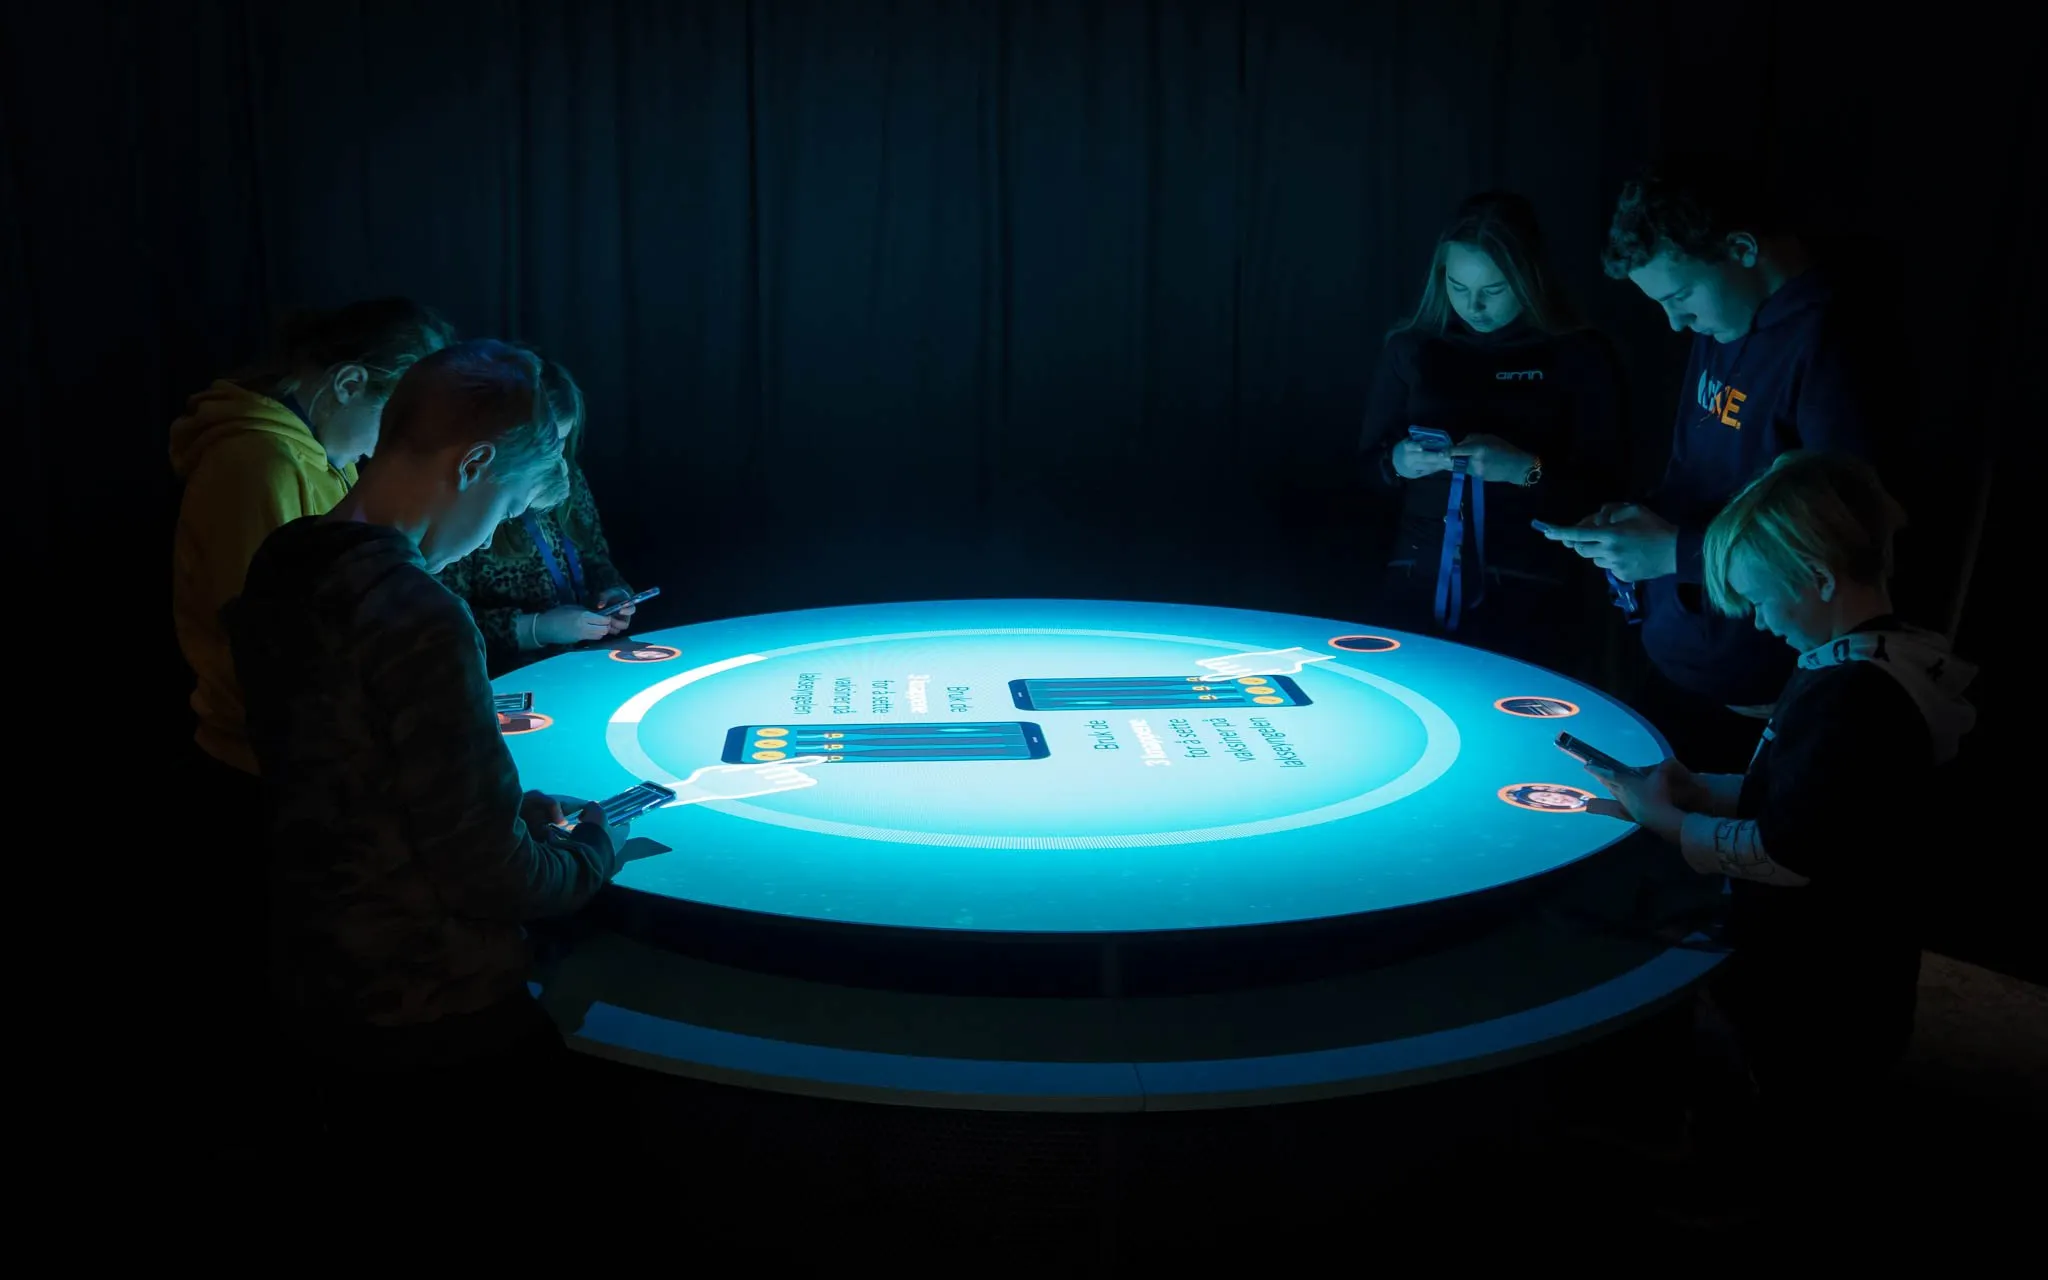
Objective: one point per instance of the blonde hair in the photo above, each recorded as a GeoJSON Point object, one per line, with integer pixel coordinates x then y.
{"type": "Point", "coordinates": [1809, 512]}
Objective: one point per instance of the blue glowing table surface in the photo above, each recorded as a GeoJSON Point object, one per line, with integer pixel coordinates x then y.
{"type": "Point", "coordinates": [1074, 766]}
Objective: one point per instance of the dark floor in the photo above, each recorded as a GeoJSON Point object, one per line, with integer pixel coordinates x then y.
{"type": "Point", "coordinates": [1573, 1154]}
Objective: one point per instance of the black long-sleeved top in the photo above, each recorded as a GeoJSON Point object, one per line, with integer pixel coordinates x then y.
{"type": "Point", "coordinates": [1558, 397]}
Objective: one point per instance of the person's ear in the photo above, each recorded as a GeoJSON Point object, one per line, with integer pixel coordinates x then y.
{"type": "Point", "coordinates": [1742, 249]}
{"type": "Point", "coordinates": [1824, 585]}
{"type": "Point", "coordinates": [475, 463]}
{"type": "Point", "coordinates": [350, 381]}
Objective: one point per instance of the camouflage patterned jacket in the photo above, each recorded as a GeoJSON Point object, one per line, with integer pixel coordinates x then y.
{"type": "Point", "coordinates": [508, 578]}
{"type": "Point", "coordinates": [402, 868]}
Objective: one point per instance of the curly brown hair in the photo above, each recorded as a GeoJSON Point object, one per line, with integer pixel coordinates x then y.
{"type": "Point", "coordinates": [1689, 204]}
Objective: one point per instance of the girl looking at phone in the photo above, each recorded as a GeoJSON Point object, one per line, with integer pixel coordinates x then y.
{"type": "Point", "coordinates": [1506, 384]}
{"type": "Point", "coordinates": [539, 584]}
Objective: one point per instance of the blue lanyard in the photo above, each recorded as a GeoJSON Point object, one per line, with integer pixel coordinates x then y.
{"type": "Point", "coordinates": [1450, 570]}
{"type": "Point", "coordinates": [568, 587]}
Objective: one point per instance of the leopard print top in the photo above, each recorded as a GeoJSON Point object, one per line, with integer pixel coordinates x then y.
{"type": "Point", "coordinates": [508, 578]}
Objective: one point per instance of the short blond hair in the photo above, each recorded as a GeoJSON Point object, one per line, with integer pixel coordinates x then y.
{"type": "Point", "coordinates": [1809, 512]}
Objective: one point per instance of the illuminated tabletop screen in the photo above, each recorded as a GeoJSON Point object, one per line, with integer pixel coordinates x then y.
{"type": "Point", "coordinates": [1073, 766]}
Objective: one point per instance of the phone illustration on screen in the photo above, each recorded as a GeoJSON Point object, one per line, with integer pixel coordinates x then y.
{"type": "Point", "coordinates": [885, 743]}
{"type": "Point", "coordinates": [1157, 693]}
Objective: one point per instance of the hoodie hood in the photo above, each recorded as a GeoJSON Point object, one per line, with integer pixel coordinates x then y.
{"type": "Point", "coordinates": [1795, 302]}
{"type": "Point", "coordinates": [313, 558]}
{"type": "Point", "coordinates": [1922, 664]}
{"type": "Point", "coordinates": [225, 411]}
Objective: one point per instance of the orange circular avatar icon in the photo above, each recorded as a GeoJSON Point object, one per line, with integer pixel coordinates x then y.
{"type": "Point", "coordinates": [514, 723]}
{"type": "Point", "coordinates": [645, 653]}
{"type": "Point", "coordinates": [1547, 797]}
{"type": "Point", "coordinates": [1269, 702]}
{"type": "Point", "coordinates": [1253, 680]}
{"type": "Point", "coordinates": [771, 733]}
{"type": "Point", "coordinates": [769, 744]}
{"type": "Point", "coordinates": [771, 755]}
{"type": "Point", "coordinates": [1531, 708]}
{"type": "Point", "coordinates": [1365, 644]}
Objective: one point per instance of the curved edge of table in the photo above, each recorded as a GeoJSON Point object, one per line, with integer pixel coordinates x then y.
{"type": "Point", "coordinates": [715, 1056]}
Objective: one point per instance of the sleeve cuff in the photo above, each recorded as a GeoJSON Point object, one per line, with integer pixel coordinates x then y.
{"type": "Point", "coordinates": [1383, 467]}
{"type": "Point", "coordinates": [1696, 842]}
{"type": "Point", "coordinates": [1692, 566]}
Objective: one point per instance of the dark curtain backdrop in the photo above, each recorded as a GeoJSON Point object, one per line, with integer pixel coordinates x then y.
{"type": "Point", "coordinates": [883, 300]}
{"type": "Point", "coordinates": [917, 299]}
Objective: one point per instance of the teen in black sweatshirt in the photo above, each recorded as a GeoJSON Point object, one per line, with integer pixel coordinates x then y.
{"type": "Point", "coordinates": [1531, 400]}
{"type": "Point", "coordinates": [1773, 368]}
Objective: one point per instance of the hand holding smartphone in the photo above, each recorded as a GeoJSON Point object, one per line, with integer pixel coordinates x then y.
{"type": "Point", "coordinates": [1586, 753]}
{"type": "Point", "coordinates": [625, 806]}
{"type": "Point", "coordinates": [1426, 451]}
{"type": "Point", "coordinates": [630, 601]}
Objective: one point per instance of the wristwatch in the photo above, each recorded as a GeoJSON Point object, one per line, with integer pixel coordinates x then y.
{"type": "Point", "coordinates": [1535, 473]}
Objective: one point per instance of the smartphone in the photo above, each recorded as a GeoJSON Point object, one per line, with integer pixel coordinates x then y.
{"type": "Point", "coordinates": [1622, 593]}
{"type": "Point", "coordinates": [885, 743]}
{"type": "Point", "coordinates": [511, 703]}
{"type": "Point", "coordinates": [629, 804]}
{"type": "Point", "coordinates": [1156, 693]}
{"type": "Point", "coordinates": [617, 605]}
{"type": "Point", "coordinates": [1594, 756]}
{"type": "Point", "coordinates": [1431, 439]}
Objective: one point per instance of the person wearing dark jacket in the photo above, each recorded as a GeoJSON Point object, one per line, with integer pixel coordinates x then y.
{"type": "Point", "coordinates": [1530, 401]}
{"type": "Point", "coordinates": [1817, 836]}
{"type": "Point", "coordinates": [1774, 367]}
{"type": "Point", "coordinates": [406, 857]}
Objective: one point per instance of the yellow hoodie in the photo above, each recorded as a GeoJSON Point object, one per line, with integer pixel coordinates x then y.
{"type": "Point", "coordinates": [249, 465]}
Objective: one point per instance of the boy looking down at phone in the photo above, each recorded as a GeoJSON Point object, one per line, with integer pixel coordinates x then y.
{"type": "Point", "coordinates": [1817, 837]}
{"type": "Point", "coordinates": [405, 856]}
{"type": "Point", "coordinates": [1773, 368]}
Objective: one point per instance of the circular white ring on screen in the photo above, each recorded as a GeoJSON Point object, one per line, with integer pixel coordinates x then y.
{"type": "Point", "coordinates": [622, 735]}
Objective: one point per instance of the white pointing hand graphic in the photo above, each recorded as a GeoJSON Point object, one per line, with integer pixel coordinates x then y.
{"type": "Point", "coordinates": [1276, 662]}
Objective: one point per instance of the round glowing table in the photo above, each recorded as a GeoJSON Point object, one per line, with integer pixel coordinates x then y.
{"type": "Point", "coordinates": [1225, 853]}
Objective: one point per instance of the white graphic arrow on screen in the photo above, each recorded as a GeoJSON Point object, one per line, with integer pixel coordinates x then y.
{"type": "Point", "coordinates": [745, 781]}
{"type": "Point", "coordinates": [1277, 662]}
